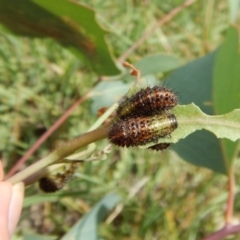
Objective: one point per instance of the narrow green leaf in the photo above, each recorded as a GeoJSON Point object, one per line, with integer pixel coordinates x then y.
{"type": "Point", "coordinates": [227, 74]}
{"type": "Point", "coordinates": [29, 201]}
{"type": "Point", "coordinates": [226, 84]}
{"type": "Point", "coordinates": [86, 228]}
{"type": "Point", "coordinates": [70, 23]}
{"type": "Point", "coordinates": [49, 197]}
{"type": "Point", "coordinates": [38, 237]}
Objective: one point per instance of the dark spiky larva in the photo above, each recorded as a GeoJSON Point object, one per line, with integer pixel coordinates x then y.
{"type": "Point", "coordinates": [160, 146]}
{"type": "Point", "coordinates": [54, 182]}
{"type": "Point", "coordinates": [47, 184]}
{"type": "Point", "coordinates": [142, 130]}
{"type": "Point", "coordinates": [147, 102]}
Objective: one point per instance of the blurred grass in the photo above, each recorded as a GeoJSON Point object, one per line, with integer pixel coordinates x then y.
{"type": "Point", "coordinates": [39, 80]}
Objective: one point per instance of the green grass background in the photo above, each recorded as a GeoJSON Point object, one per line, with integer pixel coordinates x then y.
{"type": "Point", "coordinates": [39, 80]}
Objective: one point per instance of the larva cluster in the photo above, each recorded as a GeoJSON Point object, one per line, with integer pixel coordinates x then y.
{"type": "Point", "coordinates": [56, 181]}
{"type": "Point", "coordinates": [143, 118]}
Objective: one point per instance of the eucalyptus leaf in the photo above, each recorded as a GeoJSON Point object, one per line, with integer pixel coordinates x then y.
{"type": "Point", "coordinates": [157, 63]}
{"type": "Point", "coordinates": [70, 23]}
{"type": "Point", "coordinates": [190, 118]}
{"type": "Point", "coordinates": [106, 94]}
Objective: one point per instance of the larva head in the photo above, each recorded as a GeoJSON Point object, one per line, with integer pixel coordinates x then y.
{"type": "Point", "coordinates": [147, 102]}
{"type": "Point", "coordinates": [142, 130]}
{"type": "Point", "coordinates": [56, 180]}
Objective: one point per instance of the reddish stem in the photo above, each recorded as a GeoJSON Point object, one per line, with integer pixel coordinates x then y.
{"type": "Point", "coordinates": [230, 202]}
{"type": "Point", "coordinates": [227, 230]}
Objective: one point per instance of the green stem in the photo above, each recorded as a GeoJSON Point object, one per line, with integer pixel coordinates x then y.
{"type": "Point", "coordinates": [61, 152]}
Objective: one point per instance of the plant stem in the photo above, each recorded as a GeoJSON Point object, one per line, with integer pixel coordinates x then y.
{"type": "Point", "coordinates": [230, 202]}
{"type": "Point", "coordinates": [62, 152]}
{"type": "Point", "coordinates": [228, 229]}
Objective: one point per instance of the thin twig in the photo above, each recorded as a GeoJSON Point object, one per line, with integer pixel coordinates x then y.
{"type": "Point", "coordinates": [161, 22]}
{"type": "Point", "coordinates": [47, 134]}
